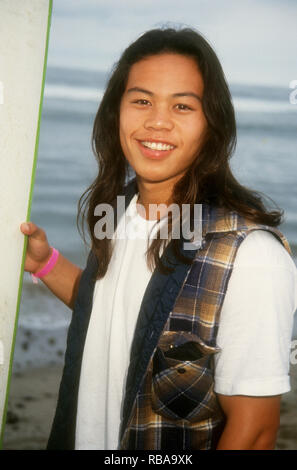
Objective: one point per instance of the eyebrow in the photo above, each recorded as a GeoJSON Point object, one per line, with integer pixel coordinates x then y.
{"type": "Point", "coordinates": [175, 95]}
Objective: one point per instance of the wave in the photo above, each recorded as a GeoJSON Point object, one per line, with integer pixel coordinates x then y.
{"type": "Point", "coordinates": [241, 104]}
{"type": "Point", "coordinates": [263, 106]}
{"type": "Point", "coordinates": [73, 93]}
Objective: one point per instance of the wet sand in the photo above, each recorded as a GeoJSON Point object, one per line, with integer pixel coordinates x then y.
{"type": "Point", "coordinates": [31, 408]}
{"type": "Point", "coordinates": [33, 398]}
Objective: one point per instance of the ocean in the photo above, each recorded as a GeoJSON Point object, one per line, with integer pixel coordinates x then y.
{"type": "Point", "coordinates": [265, 160]}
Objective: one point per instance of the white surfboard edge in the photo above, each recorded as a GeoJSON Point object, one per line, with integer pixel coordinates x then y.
{"type": "Point", "coordinates": [24, 38]}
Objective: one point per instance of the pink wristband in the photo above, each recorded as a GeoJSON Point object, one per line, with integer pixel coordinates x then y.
{"type": "Point", "coordinates": [47, 268]}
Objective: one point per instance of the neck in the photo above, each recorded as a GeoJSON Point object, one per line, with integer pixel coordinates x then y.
{"type": "Point", "coordinates": [152, 194]}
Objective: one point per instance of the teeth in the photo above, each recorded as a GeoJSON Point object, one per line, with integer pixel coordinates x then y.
{"type": "Point", "coordinates": [157, 146]}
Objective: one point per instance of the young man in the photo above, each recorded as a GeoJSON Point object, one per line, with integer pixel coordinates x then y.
{"type": "Point", "coordinates": [196, 354]}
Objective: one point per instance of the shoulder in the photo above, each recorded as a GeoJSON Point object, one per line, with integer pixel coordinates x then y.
{"type": "Point", "coordinates": [262, 263]}
{"type": "Point", "coordinates": [261, 248]}
{"type": "Point", "coordinates": [263, 269]}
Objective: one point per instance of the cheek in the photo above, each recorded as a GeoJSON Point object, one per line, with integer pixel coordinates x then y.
{"type": "Point", "coordinates": [124, 131]}
{"type": "Point", "coordinates": [125, 138]}
{"type": "Point", "coordinates": [196, 133]}
{"type": "Point", "coordinates": [127, 124]}
{"type": "Point", "coordinates": [125, 147]}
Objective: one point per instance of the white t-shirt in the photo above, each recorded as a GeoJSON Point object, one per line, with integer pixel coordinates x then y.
{"type": "Point", "coordinates": [254, 332]}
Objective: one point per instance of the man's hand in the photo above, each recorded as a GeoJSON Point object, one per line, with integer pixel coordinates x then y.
{"type": "Point", "coordinates": [63, 279]}
{"type": "Point", "coordinates": [38, 250]}
{"type": "Point", "coordinates": [252, 422]}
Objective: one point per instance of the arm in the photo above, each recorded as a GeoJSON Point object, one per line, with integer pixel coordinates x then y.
{"type": "Point", "coordinates": [63, 279]}
{"type": "Point", "coordinates": [251, 422]}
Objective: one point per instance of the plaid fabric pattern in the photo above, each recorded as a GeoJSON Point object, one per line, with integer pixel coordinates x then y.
{"type": "Point", "coordinates": [176, 406]}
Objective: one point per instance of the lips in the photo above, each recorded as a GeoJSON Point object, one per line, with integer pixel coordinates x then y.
{"type": "Point", "coordinates": [157, 144]}
{"type": "Point", "coordinates": [155, 149]}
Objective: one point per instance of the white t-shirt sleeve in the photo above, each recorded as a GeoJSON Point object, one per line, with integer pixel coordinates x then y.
{"type": "Point", "coordinates": [256, 320]}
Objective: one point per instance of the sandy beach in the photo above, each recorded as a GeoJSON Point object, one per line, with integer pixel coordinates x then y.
{"type": "Point", "coordinates": [33, 397]}
{"type": "Point", "coordinates": [31, 408]}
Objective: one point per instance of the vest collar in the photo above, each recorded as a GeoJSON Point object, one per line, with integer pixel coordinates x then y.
{"type": "Point", "coordinates": [217, 220]}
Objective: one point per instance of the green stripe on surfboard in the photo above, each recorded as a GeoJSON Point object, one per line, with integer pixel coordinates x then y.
{"type": "Point", "coordinates": [27, 219]}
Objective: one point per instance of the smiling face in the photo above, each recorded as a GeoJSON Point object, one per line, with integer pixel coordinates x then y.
{"type": "Point", "coordinates": [162, 124]}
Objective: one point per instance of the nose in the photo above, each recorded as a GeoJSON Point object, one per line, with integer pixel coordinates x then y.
{"type": "Point", "coordinates": [159, 119]}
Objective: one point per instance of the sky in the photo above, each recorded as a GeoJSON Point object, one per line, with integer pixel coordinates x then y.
{"type": "Point", "coordinates": [255, 40]}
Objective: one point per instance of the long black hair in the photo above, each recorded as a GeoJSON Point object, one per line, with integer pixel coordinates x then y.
{"type": "Point", "coordinates": [209, 179]}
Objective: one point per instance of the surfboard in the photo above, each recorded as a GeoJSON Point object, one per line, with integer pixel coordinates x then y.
{"type": "Point", "coordinates": [24, 36]}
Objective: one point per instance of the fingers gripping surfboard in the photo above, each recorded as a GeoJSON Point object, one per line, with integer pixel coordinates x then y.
{"type": "Point", "coordinates": [24, 34]}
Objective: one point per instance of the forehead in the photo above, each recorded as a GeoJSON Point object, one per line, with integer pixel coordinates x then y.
{"type": "Point", "coordinates": [171, 73]}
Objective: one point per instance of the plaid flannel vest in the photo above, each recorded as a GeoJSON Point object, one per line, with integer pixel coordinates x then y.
{"type": "Point", "coordinates": [175, 406]}
{"type": "Point", "coordinates": [169, 401]}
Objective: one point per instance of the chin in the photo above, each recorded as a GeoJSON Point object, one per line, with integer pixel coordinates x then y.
{"type": "Point", "coordinates": [153, 178]}
{"type": "Point", "coordinates": [150, 178]}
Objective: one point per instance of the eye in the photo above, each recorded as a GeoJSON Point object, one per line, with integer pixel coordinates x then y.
{"type": "Point", "coordinates": [183, 107]}
{"type": "Point", "coordinates": [141, 102]}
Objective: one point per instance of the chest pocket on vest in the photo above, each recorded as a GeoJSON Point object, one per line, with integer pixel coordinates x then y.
{"type": "Point", "coordinates": [182, 378]}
